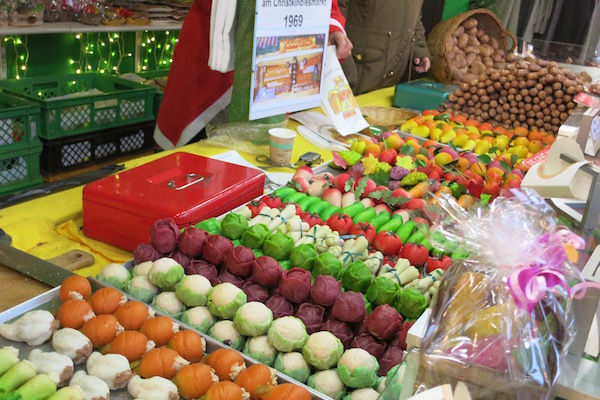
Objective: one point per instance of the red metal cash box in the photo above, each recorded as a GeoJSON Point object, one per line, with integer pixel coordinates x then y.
{"type": "Point", "coordinates": [120, 209]}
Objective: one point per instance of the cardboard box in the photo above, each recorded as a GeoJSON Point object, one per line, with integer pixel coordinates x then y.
{"type": "Point", "coordinates": [120, 209]}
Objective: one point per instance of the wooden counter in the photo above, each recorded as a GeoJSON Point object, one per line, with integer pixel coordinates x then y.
{"type": "Point", "coordinates": [15, 288]}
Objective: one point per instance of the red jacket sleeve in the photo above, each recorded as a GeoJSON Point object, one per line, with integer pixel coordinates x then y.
{"type": "Point", "coordinates": [337, 22]}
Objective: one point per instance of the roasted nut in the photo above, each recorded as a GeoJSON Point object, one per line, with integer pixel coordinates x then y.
{"type": "Point", "coordinates": [470, 23]}
{"type": "Point", "coordinates": [458, 31]}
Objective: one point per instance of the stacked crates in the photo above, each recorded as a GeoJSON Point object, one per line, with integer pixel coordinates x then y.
{"type": "Point", "coordinates": [88, 118]}
{"type": "Point", "coordinates": [20, 147]}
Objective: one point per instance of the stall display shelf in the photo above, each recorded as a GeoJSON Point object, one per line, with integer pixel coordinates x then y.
{"type": "Point", "coordinates": [76, 27]}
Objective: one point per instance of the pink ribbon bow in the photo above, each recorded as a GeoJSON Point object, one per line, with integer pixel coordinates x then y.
{"type": "Point", "coordinates": [529, 284]}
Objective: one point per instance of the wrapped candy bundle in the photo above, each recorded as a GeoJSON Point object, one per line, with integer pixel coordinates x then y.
{"type": "Point", "coordinates": [502, 319]}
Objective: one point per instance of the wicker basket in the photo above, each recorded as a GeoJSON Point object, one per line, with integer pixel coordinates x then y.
{"type": "Point", "coordinates": [438, 39]}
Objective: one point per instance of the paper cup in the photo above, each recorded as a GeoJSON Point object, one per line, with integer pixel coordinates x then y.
{"type": "Point", "coordinates": [281, 143]}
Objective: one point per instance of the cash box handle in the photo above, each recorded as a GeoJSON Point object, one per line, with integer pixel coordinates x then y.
{"type": "Point", "coordinates": [197, 179]}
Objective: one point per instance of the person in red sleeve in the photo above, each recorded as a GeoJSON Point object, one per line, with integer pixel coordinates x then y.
{"type": "Point", "coordinates": [337, 34]}
{"type": "Point", "coordinates": [194, 93]}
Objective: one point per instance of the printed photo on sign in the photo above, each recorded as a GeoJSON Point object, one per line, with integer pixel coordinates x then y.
{"type": "Point", "coordinates": [287, 67]}
{"type": "Point", "coordinates": [289, 47]}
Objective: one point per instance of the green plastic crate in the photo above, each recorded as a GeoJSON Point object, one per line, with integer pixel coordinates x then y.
{"type": "Point", "coordinates": [20, 169]}
{"type": "Point", "coordinates": [118, 102]}
{"type": "Point", "coordinates": [19, 123]}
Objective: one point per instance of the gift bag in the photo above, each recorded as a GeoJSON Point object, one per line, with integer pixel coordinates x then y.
{"type": "Point", "coordinates": [502, 318]}
{"type": "Point", "coordinates": [337, 99]}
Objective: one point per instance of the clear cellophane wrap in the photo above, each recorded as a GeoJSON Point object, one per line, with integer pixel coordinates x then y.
{"type": "Point", "coordinates": [502, 319]}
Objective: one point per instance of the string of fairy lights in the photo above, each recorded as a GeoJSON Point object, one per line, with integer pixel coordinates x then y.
{"type": "Point", "coordinates": [104, 52]}
{"type": "Point", "coordinates": [161, 52]}
{"type": "Point", "coordinates": [109, 51]}
{"type": "Point", "coordinates": [18, 48]}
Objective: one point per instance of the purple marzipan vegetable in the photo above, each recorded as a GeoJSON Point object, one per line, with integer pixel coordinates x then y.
{"type": "Point", "coordinates": [215, 248]}
{"type": "Point", "coordinates": [145, 252]}
{"type": "Point", "coordinates": [279, 306]}
{"type": "Point", "coordinates": [340, 329]}
{"type": "Point", "coordinates": [266, 271]}
{"type": "Point", "coordinates": [325, 290]}
{"type": "Point", "coordinates": [203, 268]}
{"type": "Point", "coordinates": [312, 315]}
{"type": "Point", "coordinates": [255, 292]}
{"type": "Point", "coordinates": [349, 307]}
{"type": "Point", "coordinates": [164, 234]}
{"type": "Point", "coordinates": [370, 343]}
{"type": "Point", "coordinates": [391, 357]}
{"type": "Point", "coordinates": [239, 262]}
{"type": "Point", "coordinates": [180, 258]}
{"type": "Point", "coordinates": [400, 339]}
{"type": "Point", "coordinates": [294, 285]}
{"type": "Point", "coordinates": [226, 276]}
{"type": "Point", "coordinates": [191, 241]}
{"type": "Point", "coordinates": [384, 321]}
{"type": "Point", "coordinates": [360, 327]}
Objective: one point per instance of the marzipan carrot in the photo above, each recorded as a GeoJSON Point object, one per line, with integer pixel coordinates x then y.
{"type": "Point", "coordinates": [419, 190]}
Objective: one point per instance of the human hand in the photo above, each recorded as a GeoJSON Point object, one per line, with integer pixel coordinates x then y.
{"type": "Point", "coordinates": [343, 45]}
{"type": "Point", "coordinates": [422, 64]}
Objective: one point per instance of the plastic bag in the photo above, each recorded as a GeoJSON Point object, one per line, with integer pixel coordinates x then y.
{"type": "Point", "coordinates": [250, 137]}
{"type": "Point", "coordinates": [502, 318]}
{"type": "Point", "coordinates": [337, 99]}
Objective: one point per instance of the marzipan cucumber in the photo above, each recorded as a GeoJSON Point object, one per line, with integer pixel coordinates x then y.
{"type": "Point", "coordinates": [406, 230]}
{"type": "Point", "coordinates": [296, 197]}
{"type": "Point", "coordinates": [308, 201]}
{"type": "Point", "coordinates": [392, 225]}
{"type": "Point", "coordinates": [380, 219]}
{"type": "Point", "coordinates": [284, 192]}
{"type": "Point", "coordinates": [353, 209]}
{"type": "Point", "coordinates": [365, 216]}
{"type": "Point", "coordinates": [328, 212]}
{"type": "Point", "coordinates": [318, 206]}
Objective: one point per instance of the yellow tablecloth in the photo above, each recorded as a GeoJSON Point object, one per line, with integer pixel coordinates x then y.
{"type": "Point", "coordinates": [49, 226]}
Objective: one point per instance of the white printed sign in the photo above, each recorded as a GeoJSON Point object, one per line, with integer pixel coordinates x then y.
{"type": "Point", "coordinates": [290, 39]}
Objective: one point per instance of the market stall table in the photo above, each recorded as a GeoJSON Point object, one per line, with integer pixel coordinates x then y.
{"type": "Point", "coordinates": [49, 226]}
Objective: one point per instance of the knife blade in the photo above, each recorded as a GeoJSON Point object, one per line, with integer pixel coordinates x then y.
{"type": "Point", "coordinates": [32, 266]}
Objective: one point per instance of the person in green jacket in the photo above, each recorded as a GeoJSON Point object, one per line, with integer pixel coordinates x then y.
{"type": "Point", "coordinates": [387, 37]}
